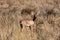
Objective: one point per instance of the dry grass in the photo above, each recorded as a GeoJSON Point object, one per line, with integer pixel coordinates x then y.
{"type": "Point", "coordinates": [44, 13]}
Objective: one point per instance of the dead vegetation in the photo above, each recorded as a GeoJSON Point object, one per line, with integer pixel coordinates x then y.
{"type": "Point", "coordinates": [44, 16]}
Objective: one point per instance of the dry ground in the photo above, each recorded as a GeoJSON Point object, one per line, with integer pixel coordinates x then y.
{"type": "Point", "coordinates": [44, 13]}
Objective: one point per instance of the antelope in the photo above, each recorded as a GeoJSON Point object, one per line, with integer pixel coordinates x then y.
{"type": "Point", "coordinates": [27, 23]}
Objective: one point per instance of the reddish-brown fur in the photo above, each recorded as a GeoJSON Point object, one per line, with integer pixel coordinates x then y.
{"type": "Point", "coordinates": [27, 22]}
